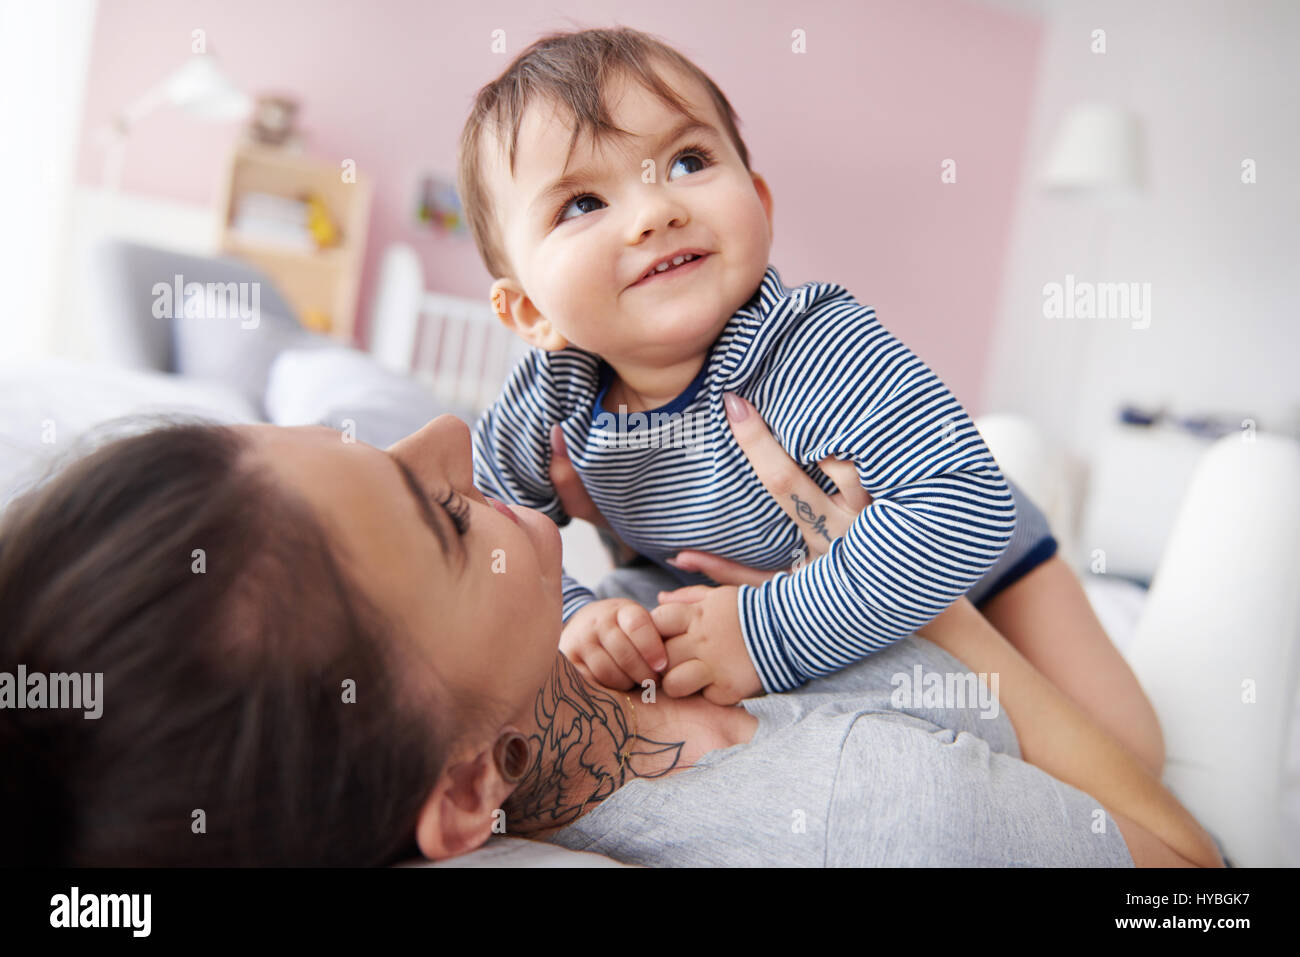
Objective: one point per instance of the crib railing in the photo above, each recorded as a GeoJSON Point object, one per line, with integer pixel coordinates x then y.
{"type": "Point", "coordinates": [454, 345]}
{"type": "Point", "coordinates": [462, 351]}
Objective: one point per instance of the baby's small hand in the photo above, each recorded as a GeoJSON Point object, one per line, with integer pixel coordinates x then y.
{"type": "Point", "coordinates": [616, 641]}
{"type": "Point", "coordinates": [706, 649]}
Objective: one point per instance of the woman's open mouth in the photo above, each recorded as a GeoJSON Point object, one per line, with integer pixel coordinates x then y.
{"type": "Point", "coordinates": [690, 264]}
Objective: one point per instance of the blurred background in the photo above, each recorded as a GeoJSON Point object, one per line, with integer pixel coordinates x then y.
{"type": "Point", "coordinates": [1082, 215]}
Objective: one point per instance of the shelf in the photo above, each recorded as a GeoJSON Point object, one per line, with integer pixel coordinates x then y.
{"type": "Point", "coordinates": [320, 283]}
{"type": "Point", "coordinates": [331, 258]}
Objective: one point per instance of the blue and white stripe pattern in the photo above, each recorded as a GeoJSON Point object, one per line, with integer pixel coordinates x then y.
{"type": "Point", "coordinates": [828, 379]}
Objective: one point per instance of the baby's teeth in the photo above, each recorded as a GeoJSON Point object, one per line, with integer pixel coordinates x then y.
{"type": "Point", "coordinates": [676, 262]}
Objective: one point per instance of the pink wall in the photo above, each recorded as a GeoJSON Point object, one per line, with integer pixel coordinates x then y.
{"type": "Point", "coordinates": [849, 135]}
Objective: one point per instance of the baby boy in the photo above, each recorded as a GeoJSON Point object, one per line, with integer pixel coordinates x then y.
{"type": "Point", "coordinates": [610, 196]}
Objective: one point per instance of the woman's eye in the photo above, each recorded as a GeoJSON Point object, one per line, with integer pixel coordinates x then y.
{"type": "Point", "coordinates": [457, 510]}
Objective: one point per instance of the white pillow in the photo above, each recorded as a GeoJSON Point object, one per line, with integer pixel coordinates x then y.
{"type": "Point", "coordinates": [1043, 471]}
{"type": "Point", "coordinates": [1137, 482]}
{"type": "Point", "coordinates": [340, 385]}
{"type": "Point", "coordinates": [223, 351]}
{"type": "Point", "coordinates": [46, 406]}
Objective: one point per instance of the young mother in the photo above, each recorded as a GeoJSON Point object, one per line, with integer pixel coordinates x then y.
{"type": "Point", "coordinates": [317, 652]}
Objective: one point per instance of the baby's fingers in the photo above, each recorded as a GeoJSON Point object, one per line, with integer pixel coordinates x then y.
{"type": "Point", "coordinates": [583, 670]}
{"type": "Point", "coordinates": [719, 695]}
{"type": "Point", "coordinates": [687, 593]}
{"type": "Point", "coordinates": [687, 678]}
{"type": "Point", "coordinates": [598, 661]}
{"type": "Point", "coordinates": [673, 617]}
{"type": "Point", "coordinates": [647, 645]}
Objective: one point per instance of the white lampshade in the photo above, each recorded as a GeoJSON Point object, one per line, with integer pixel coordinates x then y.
{"type": "Point", "coordinates": [201, 88]}
{"type": "Point", "coordinates": [198, 87]}
{"type": "Point", "coordinates": [1098, 147]}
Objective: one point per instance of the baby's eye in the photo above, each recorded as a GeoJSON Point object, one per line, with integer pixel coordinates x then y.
{"type": "Point", "coordinates": [691, 155]}
{"type": "Point", "coordinates": [697, 155]}
{"type": "Point", "coordinates": [575, 201]}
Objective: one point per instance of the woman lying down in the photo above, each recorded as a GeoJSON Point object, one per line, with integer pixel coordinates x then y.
{"type": "Point", "coordinates": [315, 652]}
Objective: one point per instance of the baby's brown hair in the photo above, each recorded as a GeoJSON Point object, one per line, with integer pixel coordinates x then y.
{"type": "Point", "coordinates": [572, 70]}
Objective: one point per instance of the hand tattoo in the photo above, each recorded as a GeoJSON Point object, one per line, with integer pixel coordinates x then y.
{"type": "Point", "coordinates": [805, 512]}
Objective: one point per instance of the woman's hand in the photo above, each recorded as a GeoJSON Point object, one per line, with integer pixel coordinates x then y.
{"type": "Point", "coordinates": [821, 518]}
{"type": "Point", "coordinates": [576, 502]}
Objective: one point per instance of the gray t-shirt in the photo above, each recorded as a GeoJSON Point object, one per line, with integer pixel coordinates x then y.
{"type": "Point", "coordinates": [838, 775]}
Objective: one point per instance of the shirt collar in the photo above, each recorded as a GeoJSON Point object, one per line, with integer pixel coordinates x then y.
{"type": "Point", "coordinates": [770, 291]}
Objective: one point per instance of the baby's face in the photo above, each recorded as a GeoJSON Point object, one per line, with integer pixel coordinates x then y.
{"type": "Point", "coordinates": [580, 248]}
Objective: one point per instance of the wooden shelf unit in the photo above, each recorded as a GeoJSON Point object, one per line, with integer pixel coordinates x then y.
{"type": "Point", "coordinates": [323, 282]}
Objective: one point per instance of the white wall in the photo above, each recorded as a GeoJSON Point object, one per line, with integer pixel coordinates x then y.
{"type": "Point", "coordinates": [1215, 83]}
{"type": "Point", "coordinates": [44, 53]}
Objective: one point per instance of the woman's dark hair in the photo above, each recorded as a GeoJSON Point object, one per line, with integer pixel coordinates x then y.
{"type": "Point", "coordinates": [223, 686]}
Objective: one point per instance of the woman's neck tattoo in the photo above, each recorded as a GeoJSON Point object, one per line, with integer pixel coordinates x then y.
{"type": "Point", "coordinates": [575, 753]}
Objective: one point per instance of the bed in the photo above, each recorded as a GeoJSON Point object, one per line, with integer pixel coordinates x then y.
{"type": "Point", "coordinates": [1213, 639]}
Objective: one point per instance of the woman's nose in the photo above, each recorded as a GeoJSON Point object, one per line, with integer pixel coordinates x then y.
{"type": "Point", "coordinates": [441, 451]}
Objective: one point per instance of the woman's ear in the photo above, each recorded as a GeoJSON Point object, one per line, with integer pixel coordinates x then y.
{"type": "Point", "coordinates": [513, 307]}
{"type": "Point", "coordinates": [462, 808]}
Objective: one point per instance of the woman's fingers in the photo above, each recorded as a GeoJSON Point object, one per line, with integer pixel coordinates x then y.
{"type": "Point", "coordinates": [568, 483]}
{"type": "Point", "coordinates": [845, 476]}
{"type": "Point", "coordinates": [722, 570]}
{"type": "Point", "coordinates": [819, 518]}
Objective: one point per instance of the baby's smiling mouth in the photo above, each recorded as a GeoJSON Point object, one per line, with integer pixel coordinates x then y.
{"type": "Point", "coordinates": [670, 264]}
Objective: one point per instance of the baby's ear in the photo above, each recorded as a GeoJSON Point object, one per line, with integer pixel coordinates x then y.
{"type": "Point", "coordinates": [764, 197]}
{"type": "Point", "coordinates": [516, 311]}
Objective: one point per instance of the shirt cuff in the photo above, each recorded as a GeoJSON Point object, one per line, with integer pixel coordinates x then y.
{"type": "Point", "coordinates": [575, 596]}
{"type": "Point", "coordinates": [763, 643]}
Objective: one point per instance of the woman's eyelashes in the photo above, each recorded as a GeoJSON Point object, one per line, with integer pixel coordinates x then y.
{"type": "Point", "coordinates": [704, 154]}
{"type": "Point", "coordinates": [457, 510]}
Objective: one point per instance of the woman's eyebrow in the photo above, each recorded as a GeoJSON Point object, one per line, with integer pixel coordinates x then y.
{"type": "Point", "coordinates": [427, 511]}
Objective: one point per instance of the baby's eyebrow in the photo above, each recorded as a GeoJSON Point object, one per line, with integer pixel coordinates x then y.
{"type": "Point", "coordinates": [571, 181]}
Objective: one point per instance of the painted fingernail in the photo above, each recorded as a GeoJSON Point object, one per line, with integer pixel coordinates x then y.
{"type": "Point", "coordinates": [736, 409]}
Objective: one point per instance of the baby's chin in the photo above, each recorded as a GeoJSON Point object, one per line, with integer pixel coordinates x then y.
{"type": "Point", "coordinates": [677, 326]}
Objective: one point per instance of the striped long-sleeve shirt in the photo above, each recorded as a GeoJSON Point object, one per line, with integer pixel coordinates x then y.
{"type": "Point", "coordinates": [828, 380]}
